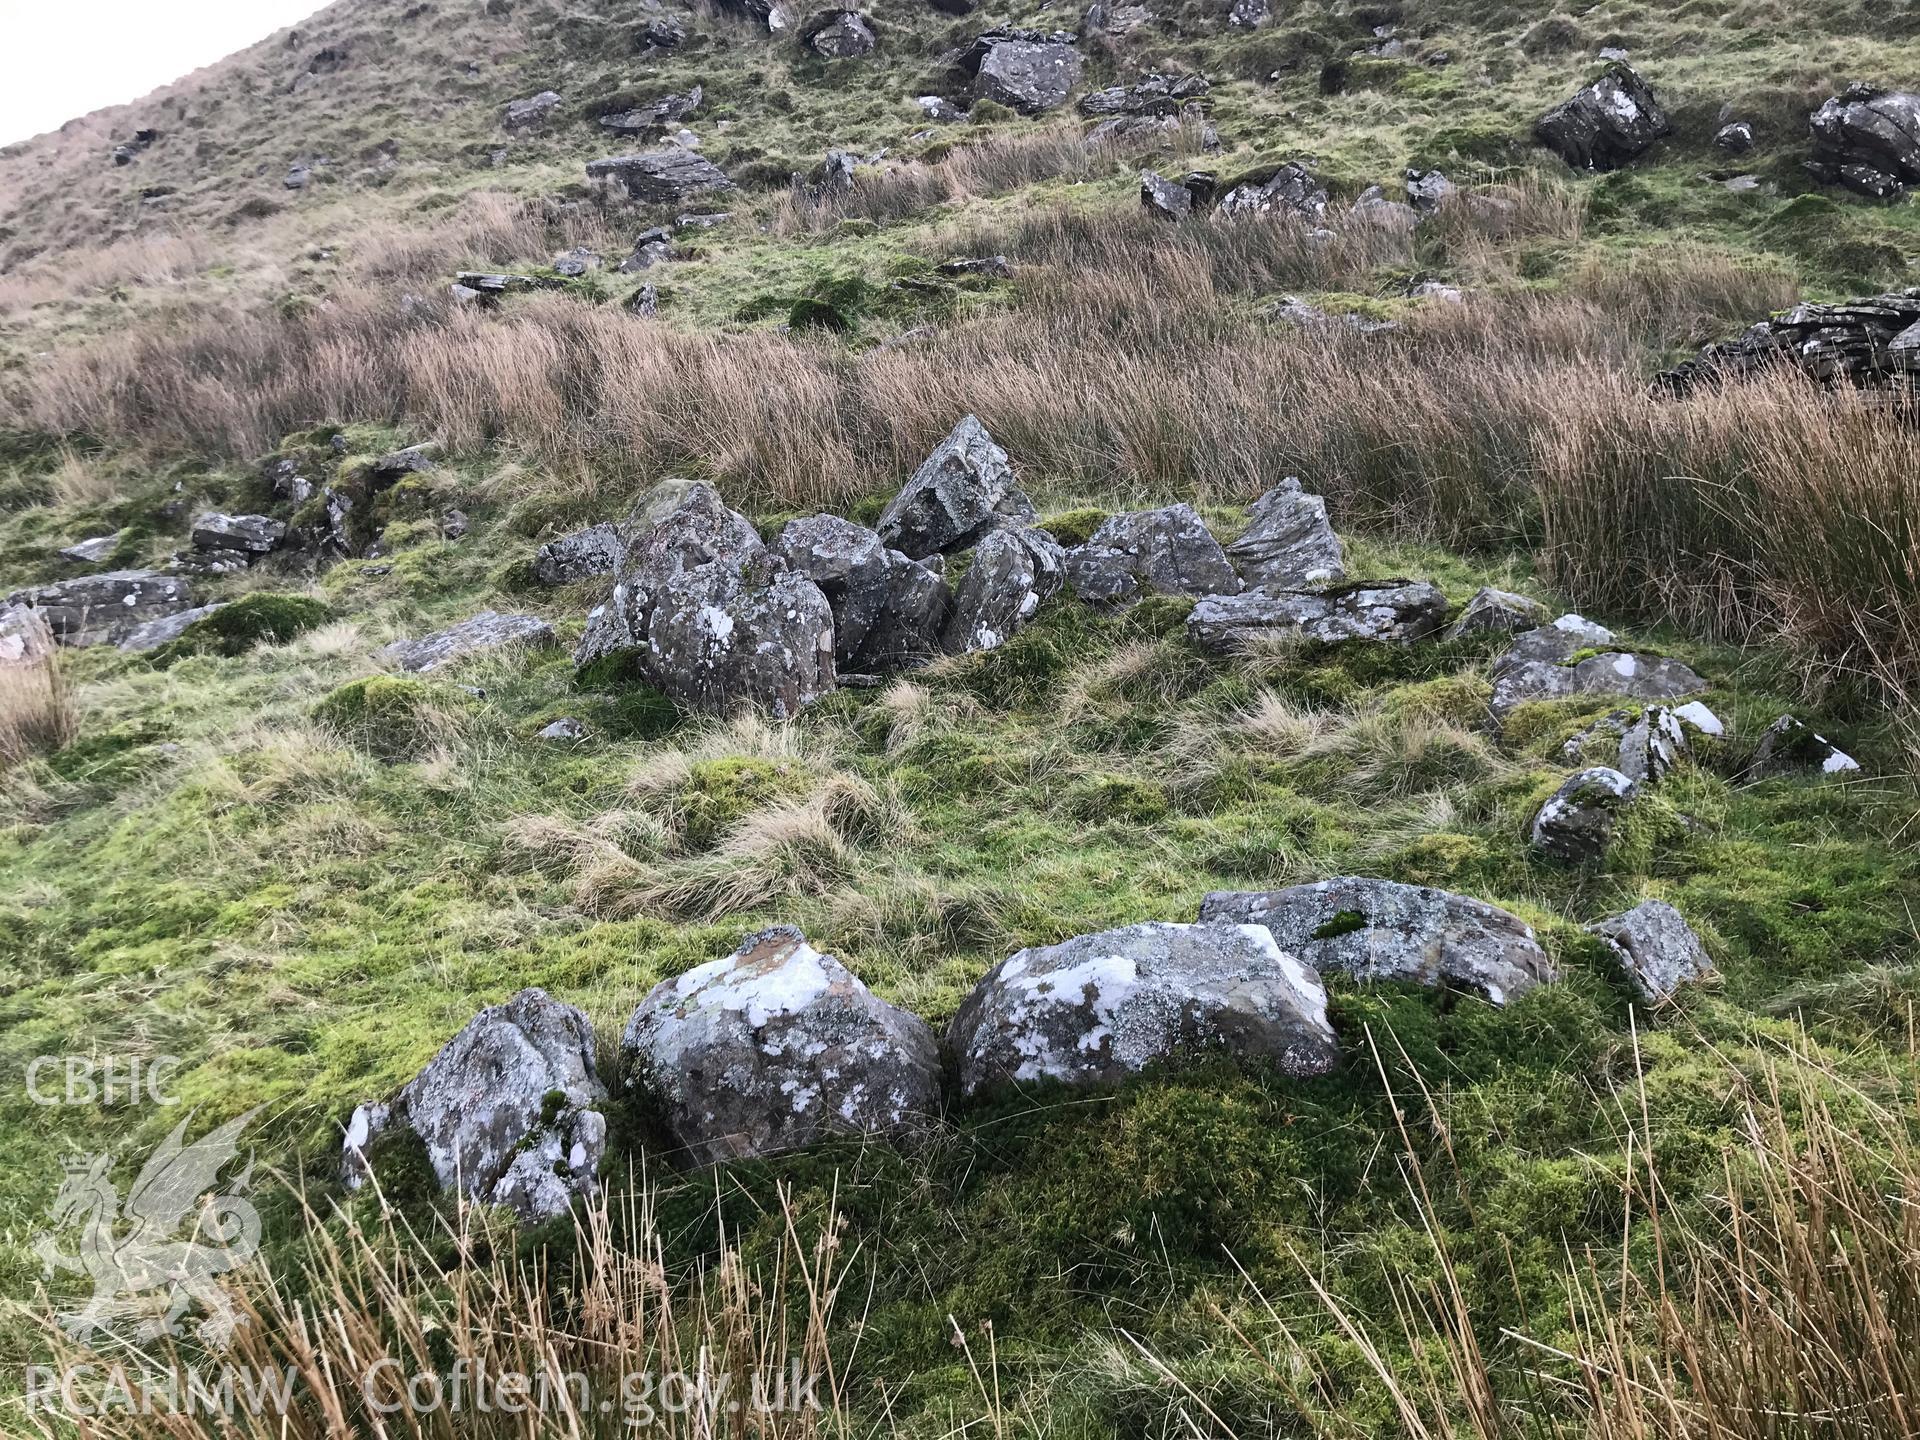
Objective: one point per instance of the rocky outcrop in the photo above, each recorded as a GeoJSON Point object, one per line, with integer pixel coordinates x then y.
{"type": "Point", "coordinates": [1101, 1008]}
{"type": "Point", "coordinates": [1576, 825]}
{"type": "Point", "coordinates": [1497, 612]}
{"type": "Point", "coordinates": [1013, 573]}
{"type": "Point", "coordinates": [510, 1112]}
{"type": "Point", "coordinates": [1869, 343]}
{"type": "Point", "coordinates": [838, 34]}
{"type": "Point", "coordinates": [1291, 190]}
{"type": "Point", "coordinates": [965, 488]}
{"type": "Point", "coordinates": [888, 611]}
{"type": "Point", "coordinates": [661, 177]}
{"type": "Point", "coordinates": [645, 119]}
{"type": "Point", "coordinates": [1574, 656]}
{"type": "Point", "coordinates": [101, 609]}
{"type": "Point", "coordinates": [734, 632]}
{"type": "Point", "coordinates": [1380, 612]}
{"type": "Point", "coordinates": [1656, 948]}
{"type": "Point", "coordinates": [583, 555]}
{"type": "Point", "coordinates": [1868, 140]}
{"type": "Point", "coordinates": [1025, 71]}
{"type": "Point", "coordinates": [1662, 737]}
{"type": "Point", "coordinates": [1377, 930]}
{"type": "Point", "coordinates": [1290, 545]}
{"type": "Point", "coordinates": [486, 631]}
{"type": "Point", "coordinates": [531, 113]}
{"type": "Point", "coordinates": [1150, 552]}
{"type": "Point", "coordinates": [1155, 94]}
{"type": "Point", "coordinates": [776, 1047]}
{"type": "Point", "coordinates": [1608, 124]}
{"type": "Point", "coordinates": [1791, 748]}
{"type": "Point", "coordinates": [253, 534]}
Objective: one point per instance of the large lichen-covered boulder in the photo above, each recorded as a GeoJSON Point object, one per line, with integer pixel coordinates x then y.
{"type": "Point", "coordinates": [660, 177]}
{"type": "Point", "coordinates": [1014, 573]}
{"type": "Point", "coordinates": [1290, 545]}
{"type": "Point", "coordinates": [1100, 1008]}
{"type": "Point", "coordinates": [1383, 612]}
{"type": "Point", "coordinates": [731, 633]}
{"type": "Point", "coordinates": [489, 630]}
{"type": "Point", "coordinates": [1150, 552]}
{"type": "Point", "coordinates": [1574, 656]}
{"type": "Point", "coordinates": [965, 488]}
{"type": "Point", "coordinates": [888, 611]}
{"type": "Point", "coordinates": [1868, 139]}
{"type": "Point", "coordinates": [510, 1111]}
{"type": "Point", "coordinates": [102, 609]}
{"type": "Point", "coordinates": [776, 1047]}
{"type": "Point", "coordinates": [1576, 824]}
{"type": "Point", "coordinates": [1030, 76]}
{"type": "Point", "coordinates": [1378, 930]}
{"type": "Point", "coordinates": [1607, 124]}
{"type": "Point", "coordinates": [1657, 949]}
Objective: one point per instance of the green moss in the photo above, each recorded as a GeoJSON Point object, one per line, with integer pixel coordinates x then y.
{"type": "Point", "coordinates": [252, 620]}
{"type": "Point", "coordinates": [391, 716]}
{"type": "Point", "coordinates": [719, 794]}
{"type": "Point", "coordinates": [1075, 527]}
{"type": "Point", "coordinates": [1345, 923]}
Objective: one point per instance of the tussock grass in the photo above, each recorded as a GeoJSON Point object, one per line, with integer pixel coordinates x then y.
{"type": "Point", "coordinates": [37, 711]}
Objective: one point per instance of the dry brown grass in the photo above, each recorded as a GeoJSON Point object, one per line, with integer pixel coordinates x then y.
{"type": "Point", "coordinates": [37, 712]}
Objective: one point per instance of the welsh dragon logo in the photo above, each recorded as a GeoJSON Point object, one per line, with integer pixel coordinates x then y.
{"type": "Point", "coordinates": [183, 1229]}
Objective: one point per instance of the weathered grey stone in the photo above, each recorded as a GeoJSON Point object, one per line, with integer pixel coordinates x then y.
{"type": "Point", "coordinates": [1294, 311]}
{"type": "Point", "coordinates": [567, 730]}
{"type": "Point", "coordinates": [1291, 190]}
{"type": "Point", "coordinates": [1497, 612]}
{"type": "Point", "coordinates": [94, 551]}
{"type": "Point", "coordinates": [1161, 552]}
{"type": "Point", "coordinates": [414, 460]}
{"type": "Point", "coordinates": [668, 110]}
{"type": "Point", "coordinates": [1164, 197]}
{"type": "Point", "coordinates": [1101, 1008]}
{"type": "Point", "coordinates": [165, 630]}
{"type": "Point", "coordinates": [486, 631]}
{"type": "Point", "coordinates": [577, 262]}
{"type": "Point", "coordinates": [777, 1047]}
{"type": "Point", "coordinates": [1735, 139]}
{"type": "Point", "coordinates": [1607, 124]}
{"type": "Point", "coordinates": [1871, 343]}
{"type": "Point", "coordinates": [940, 109]}
{"type": "Point", "coordinates": [1106, 19]}
{"type": "Point", "coordinates": [1657, 949]}
{"type": "Point", "coordinates": [1155, 94]}
{"type": "Point", "coordinates": [963, 489]}
{"type": "Point", "coordinates": [997, 267]}
{"type": "Point", "coordinates": [888, 610]}
{"type": "Point", "coordinates": [1290, 545]}
{"type": "Point", "coordinates": [24, 636]}
{"type": "Point", "coordinates": [1014, 572]}
{"type": "Point", "coordinates": [1394, 216]}
{"type": "Point", "coordinates": [729, 633]}
{"type": "Point", "coordinates": [1029, 76]}
{"type": "Point", "coordinates": [583, 555]}
{"type": "Point", "coordinates": [661, 177]}
{"type": "Point", "coordinates": [1386, 611]}
{"type": "Point", "coordinates": [1789, 747]}
{"type": "Point", "coordinates": [510, 1111]}
{"type": "Point", "coordinates": [838, 34]}
{"type": "Point", "coordinates": [1541, 666]}
{"type": "Point", "coordinates": [1662, 737]}
{"type": "Point", "coordinates": [1576, 824]}
{"type": "Point", "coordinates": [254, 534]}
{"type": "Point", "coordinates": [1377, 930]}
{"type": "Point", "coordinates": [1428, 190]}
{"type": "Point", "coordinates": [211, 562]}
{"type": "Point", "coordinates": [1868, 139]}
{"type": "Point", "coordinates": [99, 609]}
{"type": "Point", "coordinates": [1250, 14]}
{"type": "Point", "coordinates": [532, 112]}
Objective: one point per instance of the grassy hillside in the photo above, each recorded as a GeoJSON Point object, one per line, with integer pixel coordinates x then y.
{"type": "Point", "coordinates": [1480, 1222]}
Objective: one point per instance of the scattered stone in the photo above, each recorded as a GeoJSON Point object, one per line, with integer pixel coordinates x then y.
{"type": "Point", "coordinates": [1156, 94]}
{"type": "Point", "coordinates": [1396, 217]}
{"type": "Point", "coordinates": [1789, 747]}
{"type": "Point", "coordinates": [644, 119]}
{"type": "Point", "coordinates": [165, 630]}
{"type": "Point", "coordinates": [1291, 190]}
{"type": "Point", "coordinates": [1014, 572]}
{"type": "Point", "coordinates": [1106, 19]}
{"type": "Point", "coordinates": [1611, 122]}
{"type": "Point", "coordinates": [644, 302]}
{"type": "Point", "coordinates": [1165, 198]}
{"type": "Point", "coordinates": [1377, 930]}
{"type": "Point", "coordinates": [1378, 612]}
{"type": "Point", "coordinates": [1101, 1008]}
{"type": "Point", "coordinates": [1436, 290]}
{"type": "Point", "coordinates": [299, 175]}
{"type": "Point", "coordinates": [211, 562]}
{"type": "Point", "coordinates": [491, 286]}
{"type": "Point", "coordinates": [660, 177]}
{"type": "Point", "coordinates": [253, 534]}
{"type": "Point", "coordinates": [455, 525]}
{"type": "Point", "coordinates": [1161, 552]}
{"type": "Point", "coordinates": [1657, 948]}
{"type": "Point", "coordinates": [24, 636]}
{"type": "Point", "coordinates": [488, 630]}
{"type": "Point", "coordinates": [285, 482]}
{"type": "Point", "coordinates": [510, 1111]}
{"type": "Point", "coordinates": [996, 267]}
{"type": "Point", "coordinates": [100, 609]}
{"type": "Point", "coordinates": [1292, 310]}
{"type": "Point", "coordinates": [1498, 612]}
{"type": "Point", "coordinates": [568, 730]}
{"type": "Point", "coordinates": [398, 464]}
{"type": "Point", "coordinates": [838, 34]}
{"type": "Point", "coordinates": [1030, 76]}
{"type": "Point", "coordinates": [1661, 738]}
{"type": "Point", "coordinates": [1291, 544]}
{"type": "Point", "coordinates": [1735, 139]}
{"type": "Point", "coordinates": [577, 262]}
{"type": "Point", "coordinates": [583, 555]}
{"type": "Point", "coordinates": [94, 551]}
{"type": "Point", "coordinates": [963, 489]}
{"type": "Point", "coordinates": [749, 632]}
{"type": "Point", "coordinates": [650, 248]}
{"type": "Point", "coordinates": [1869, 343]}
{"type": "Point", "coordinates": [1573, 656]}
{"type": "Point", "coordinates": [533, 112]}
{"type": "Point", "coordinates": [888, 611]}
{"type": "Point", "coordinates": [662, 34]}
{"type": "Point", "coordinates": [1250, 14]}
{"type": "Point", "coordinates": [1576, 825]}
{"type": "Point", "coordinates": [1868, 140]}
{"type": "Point", "coordinates": [941, 110]}
{"type": "Point", "coordinates": [1428, 190]}
{"type": "Point", "coordinates": [778, 1047]}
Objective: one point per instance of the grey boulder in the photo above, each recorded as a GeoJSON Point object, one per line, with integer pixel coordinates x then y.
{"type": "Point", "coordinates": [1290, 191]}
{"type": "Point", "coordinates": [888, 611]}
{"type": "Point", "coordinates": [1290, 545]}
{"type": "Point", "coordinates": [1377, 930]}
{"type": "Point", "coordinates": [963, 489]}
{"type": "Point", "coordinates": [583, 555]}
{"type": "Point", "coordinates": [532, 112]}
{"type": "Point", "coordinates": [1098, 1009]}
{"type": "Point", "coordinates": [1014, 573]}
{"type": "Point", "coordinates": [510, 1111]}
{"type": "Point", "coordinates": [1788, 747]}
{"type": "Point", "coordinates": [1497, 612]}
{"type": "Point", "coordinates": [92, 551]}
{"type": "Point", "coordinates": [1028, 75]}
{"type": "Point", "coordinates": [1609, 123]}
{"type": "Point", "coordinates": [1574, 656]}
{"type": "Point", "coordinates": [838, 35]}
{"type": "Point", "coordinates": [1576, 825]}
{"type": "Point", "coordinates": [662, 177]}
{"type": "Point", "coordinates": [729, 633]}
{"type": "Point", "coordinates": [1657, 949]}
{"type": "Point", "coordinates": [255, 534]}
{"type": "Point", "coordinates": [643, 119]}
{"type": "Point", "coordinates": [165, 630]}
{"type": "Point", "coordinates": [489, 630]}
{"type": "Point", "coordinates": [100, 609]}
{"type": "Point", "coordinates": [1250, 14]}
{"type": "Point", "coordinates": [777, 1047]}
{"type": "Point", "coordinates": [24, 636]}
{"type": "Point", "coordinates": [1383, 612]}
{"type": "Point", "coordinates": [1868, 140]}
{"type": "Point", "coordinates": [1662, 737]}
{"type": "Point", "coordinates": [1163, 197]}
{"type": "Point", "coordinates": [1143, 552]}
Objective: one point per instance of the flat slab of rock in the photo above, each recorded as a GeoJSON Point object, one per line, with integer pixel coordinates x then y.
{"type": "Point", "coordinates": [1870, 343]}
{"type": "Point", "coordinates": [489, 630]}
{"type": "Point", "coordinates": [1574, 656]}
{"type": "Point", "coordinates": [1576, 825]}
{"type": "Point", "coordinates": [100, 609]}
{"type": "Point", "coordinates": [93, 551]}
{"type": "Point", "coordinates": [1377, 930]}
{"type": "Point", "coordinates": [661, 177]}
{"type": "Point", "coordinates": [889, 612]}
{"type": "Point", "coordinates": [1290, 545]}
{"type": "Point", "coordinates": [1498, 612]}
{"type": "Point", "coordinates": [1791, 748]}
{"type": "Point", "coordinates": [1014, 573]}
{"type": "Point", "coordinates": [1150, 552]}
{"type": "Point", "coordinates": [963, 489]}
{"type": "Point", "coordinates": [1606, 125]}
{"type": "Point", "coordinates": [734, 633]}
{"type": "Point", "coordinates": [1384, 612]}
{"type": "Point", "coordinates": [1657, 949]}
{"type": "Point", "coordinates": [1098, 1009]}
{"type": "Point", "coordinates": [166, 629]}
{"type": "Point", "coordinates": [510, 1111]}
{"type": "Point", "coordinates": [1868, 140]}
{"type": "Point", "coordinates": [254, 534]}
{"type": "Point", "coordinates": [777, 1047]}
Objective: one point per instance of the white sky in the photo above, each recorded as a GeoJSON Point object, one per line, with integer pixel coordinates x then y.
{"type": "Point", "coordinates": [61, 59]}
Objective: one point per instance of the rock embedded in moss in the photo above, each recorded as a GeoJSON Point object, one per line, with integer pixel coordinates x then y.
{"type": "Point", "coordinates": [1657, 949]}
{"type": "Point", "coordinates": [1384, 612]}
{"type": "Point", "coordinates": [1150, 552]}
{"type": "Point", "coordinates": [1611, 122]}
{"type": "Point", "coordinates": [1790, 747]}
{"type": "Point", "coordinates": [489, 630]}
{"type": "Point", "coordinates": [1576, 824]}
{"type": "Point", "coordinates": [1574, 656]}
{"type": "Point", "coordinates": [1497, 612]}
